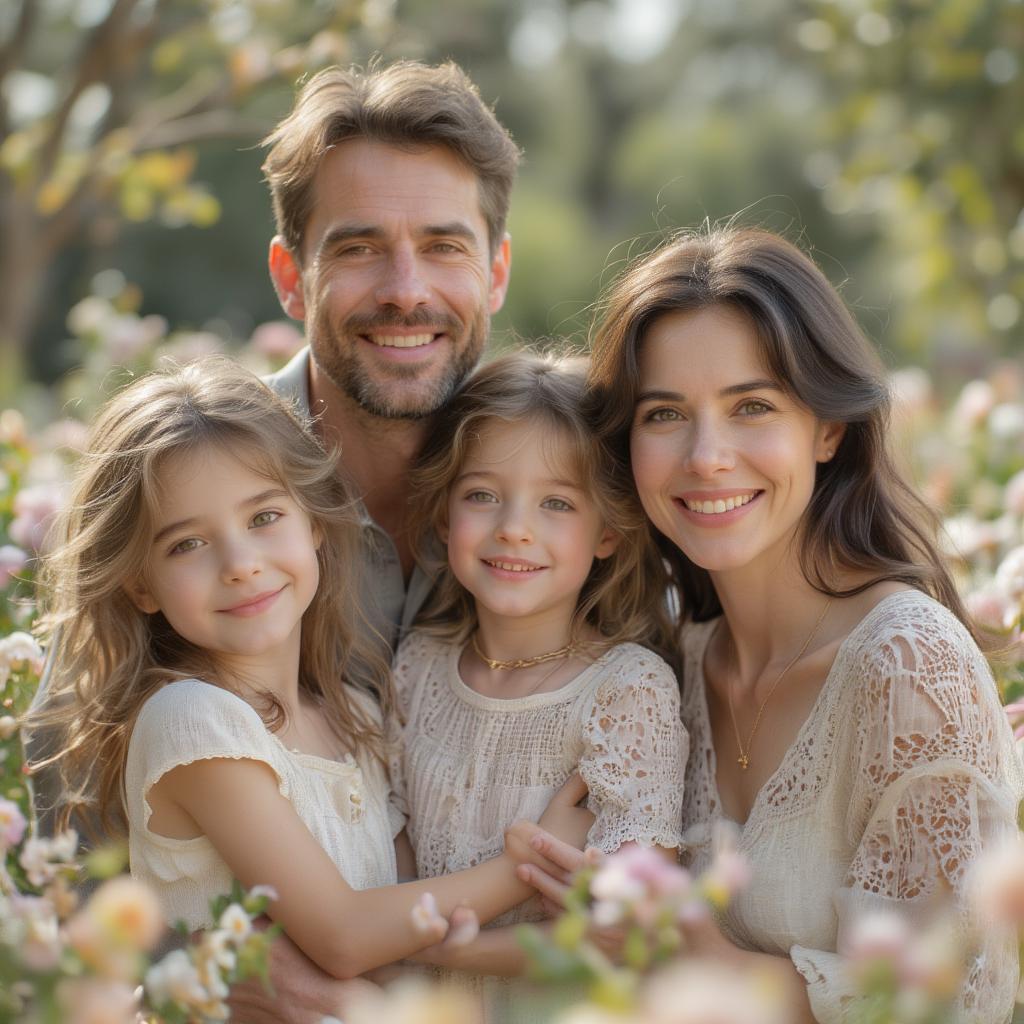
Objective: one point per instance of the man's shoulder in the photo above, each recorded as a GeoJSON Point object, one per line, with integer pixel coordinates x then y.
{"type": "Point", "coordinates": [291, 382]}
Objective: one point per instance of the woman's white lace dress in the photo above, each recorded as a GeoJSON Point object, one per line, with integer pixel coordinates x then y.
{"type": "Point", "coordinates": [345, 804]}
{"type": "Point", "coordinates": [904, 771]}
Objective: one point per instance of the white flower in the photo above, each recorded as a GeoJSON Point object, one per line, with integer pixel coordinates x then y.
{"type": "Point", "coordinates": [972, 408]}
{"type": "Point", "coordinates": [1006, 421]}
{"type": "Point", "coordinates": [1010, 574]}
{"type": "Point", "coordinates": [993, 609]}
{"type": "Point", "coordinates": [12, 561]}
{"type": "Point", "coordinates": [42, 859]}
{"type": "Point", "coordinates": [216, 947]}
{"type": "Point", "coordinates": [175, 979]}
{"type": "Point", "coordinates": [236, 922]}
{"type": "Point", "coordinates": [706, 992]}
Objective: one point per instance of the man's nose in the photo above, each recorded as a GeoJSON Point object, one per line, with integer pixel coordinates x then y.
{"type": "Point", "coordinates": [402, 284]}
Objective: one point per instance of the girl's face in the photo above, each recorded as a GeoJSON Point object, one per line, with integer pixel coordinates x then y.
{"type": "Point", "coordinates": [232, 561]}
{"type": "Point", "coordinates": [724, 460]}
{"type": "Point", "coordinates": [522, 535]}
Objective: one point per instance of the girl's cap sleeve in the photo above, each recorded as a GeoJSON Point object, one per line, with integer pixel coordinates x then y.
{"type": "Point", "coordinates": [635, 749]}
{"type": "Point", "coordinates": [186, 721]}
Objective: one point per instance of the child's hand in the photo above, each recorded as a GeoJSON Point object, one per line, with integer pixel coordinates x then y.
{"type": "Point", "coordinates": [564, 817]}
{"type": "Point", "coordinates": [458, 931]}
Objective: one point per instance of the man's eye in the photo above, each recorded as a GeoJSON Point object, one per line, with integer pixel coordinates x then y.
{"type": "Point", "coordinates": [444, 247]}
{"type": "Point", "coordinates": [265, 518]}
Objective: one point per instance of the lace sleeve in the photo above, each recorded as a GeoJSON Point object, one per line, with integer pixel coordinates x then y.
{"type": "Point", "coordinates": [935, 782]}
{"type": "Point", "coordinates": [635, 749]}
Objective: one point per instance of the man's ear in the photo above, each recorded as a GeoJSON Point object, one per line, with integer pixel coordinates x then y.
{"type": "Point", "coordinates": [501, 267]}
{"type": "Point", "coordinates": [139, 595]}
{"type": "Point", "coordinates": [609, 541]}
{"type": "Point", "coordinates": [287, 278]}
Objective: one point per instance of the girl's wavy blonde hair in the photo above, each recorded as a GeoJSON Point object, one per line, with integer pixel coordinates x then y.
{"type": "Point", "coordinates": [548, 390]}
{"type": "Point", "coordinates": [107, 656]}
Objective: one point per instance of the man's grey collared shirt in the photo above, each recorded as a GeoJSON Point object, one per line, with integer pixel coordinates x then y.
{"type": "Point", "coordinates": [390, 605]}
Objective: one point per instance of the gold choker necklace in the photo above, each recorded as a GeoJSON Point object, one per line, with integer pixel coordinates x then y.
{"type": "Point", "coordinates": [563, 652]}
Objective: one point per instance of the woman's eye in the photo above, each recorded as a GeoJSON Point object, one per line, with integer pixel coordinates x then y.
{"type": "Point", "coordinates": [265, 518]}
{"type": "Point", "coordinates": [755, 407]}
{"type": "Point", "coordinates": [557, 505]}
{"type": "Point", "coordinates": [188, 544]}
{"type": "Point", "coordinates": [663, 415]}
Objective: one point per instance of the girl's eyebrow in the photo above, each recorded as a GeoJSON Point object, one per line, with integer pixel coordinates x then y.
{"type": "Point", "coordinates": [551, 481]}
{"type": "Point", "coordinates": [256, 499]}
{"type": "Point", "coordinates": [763, 384]}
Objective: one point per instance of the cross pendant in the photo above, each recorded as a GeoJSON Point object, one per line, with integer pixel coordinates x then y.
{"type": "Point", "coordinates": [743, 761]}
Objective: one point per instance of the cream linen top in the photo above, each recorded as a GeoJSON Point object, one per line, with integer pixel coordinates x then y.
{"type": "Point", "coordinates": [345, 804]}
{"type": "Point", "coordinates": [903, 772]}
{"type": "Point", "coordinates": [470, 765]}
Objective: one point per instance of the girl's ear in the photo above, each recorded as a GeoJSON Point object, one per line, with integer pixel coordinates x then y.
{"type": "Point", "coordinates": [607, 544]}
{"type": "Point", "coordinates": [140, 596]}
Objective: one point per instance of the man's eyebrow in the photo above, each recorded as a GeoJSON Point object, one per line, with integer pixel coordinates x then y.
{"type": "Point", "coordinates": [453, 229]}
{"type": "Point", "coordinates": [256, 499]}
{"type": "Point", "coordinates": [349, 232]}
{"type": "Point", "coordinates": [762, 384]}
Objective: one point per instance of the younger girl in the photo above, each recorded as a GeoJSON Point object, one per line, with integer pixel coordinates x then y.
{"type": "Point", "coordinates": [204, 598]}
{"type": "Point", "coordinates": [524, 669]}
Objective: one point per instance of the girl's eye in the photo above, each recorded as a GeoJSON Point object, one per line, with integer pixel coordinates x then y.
{"type": "Point", "coordinates": [755, 407]}
{"type": "Point", "coordinates": [265, 518]}
{"type": "Point", "coordinates": [557, 505]}
{"type": "Point", "coordinates": [481, 496]}
{"type": "Point", "coordinates": [188, 544]}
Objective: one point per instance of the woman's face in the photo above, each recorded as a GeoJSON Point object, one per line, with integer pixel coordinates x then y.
{"type": "Point", "coordinates": [723, 458]}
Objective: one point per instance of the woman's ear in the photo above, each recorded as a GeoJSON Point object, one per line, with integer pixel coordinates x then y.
{"type": "Point", "coordinates": [829, 437]}
{"type": "Point", "coordinates": [609, 541]}
{"type": "Point", "coordinates": [139, 595]}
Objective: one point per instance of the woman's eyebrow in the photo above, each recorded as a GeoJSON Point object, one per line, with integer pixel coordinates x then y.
{"type": "Point", "coordinates": [762, 384]}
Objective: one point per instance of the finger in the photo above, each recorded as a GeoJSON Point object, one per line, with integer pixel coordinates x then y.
{"type": "Point", "coordinates": [547, 886]}
{"type": "Point", "coordinates": [572, 791]}
{"type": "Point", "coordinates": [565, 856]}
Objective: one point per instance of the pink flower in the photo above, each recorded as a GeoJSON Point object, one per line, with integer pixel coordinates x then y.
{"type": "Point", "coordinates": [12, 824]}
{"type": "Point", "coordinates": [993, 609]}
{"type": "Point", "coordinates": [34, 512]}
{"type": "Point", "coordinates": [278, 340]}
{"type": "Point", "coordinates": [12, 561]}
{"type": "Point", "coordinates": [1013, 495]}
{"type": "Point", "coordinates": [97, 1001]}
{"type": "Point", "coordinates": [976, 401]}
{"type": "Point", "coordinates": [997, 882]}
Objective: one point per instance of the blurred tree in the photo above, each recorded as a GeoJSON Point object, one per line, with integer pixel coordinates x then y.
{"type": "Point", "coordinates": [103, 101]}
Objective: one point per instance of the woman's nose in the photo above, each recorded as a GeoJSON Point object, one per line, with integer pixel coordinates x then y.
{"type": "Point", "coordinates": [710, 449]}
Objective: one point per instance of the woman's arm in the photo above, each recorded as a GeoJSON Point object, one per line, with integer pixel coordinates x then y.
{"type": "Point", "coordinates": [237, 805]}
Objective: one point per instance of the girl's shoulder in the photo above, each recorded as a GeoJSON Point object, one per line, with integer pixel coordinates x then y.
{"type": "Point", "coordinates": [630, 664]}
{"type": "Point", "coordinates": [418, 649]}
{"type": "Point", "coordinates": [194, 709]}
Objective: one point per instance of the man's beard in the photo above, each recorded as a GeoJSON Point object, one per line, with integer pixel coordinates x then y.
{"type": "Point", "coordinates": [334, 349]}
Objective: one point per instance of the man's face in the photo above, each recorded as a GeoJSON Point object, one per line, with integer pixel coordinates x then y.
{"type": "Point", "coordinates": [397, 282]}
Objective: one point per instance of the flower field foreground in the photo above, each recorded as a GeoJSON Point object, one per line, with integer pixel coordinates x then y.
{"type": "Point", "coordinates": [85, 963]}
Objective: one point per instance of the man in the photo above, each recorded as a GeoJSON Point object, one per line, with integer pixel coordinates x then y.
{"type": "Point", "coordinates": [390, 192]}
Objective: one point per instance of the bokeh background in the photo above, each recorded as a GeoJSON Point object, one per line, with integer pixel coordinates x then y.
{"type": "Point", "coordinates": [886, 136]}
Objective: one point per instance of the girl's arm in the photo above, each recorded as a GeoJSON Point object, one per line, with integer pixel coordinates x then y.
{"type": "Point", "coordinates": [236, 804]}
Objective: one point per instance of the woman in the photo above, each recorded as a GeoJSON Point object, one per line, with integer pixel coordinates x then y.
{"type": "Point", "coordinates": [839, 709]}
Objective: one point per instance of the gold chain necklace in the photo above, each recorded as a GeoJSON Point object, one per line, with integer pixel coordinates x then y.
{"type": "Point", "coordinates": [494, 663]}
{"type": "Point", "coordinates": [744, 759]}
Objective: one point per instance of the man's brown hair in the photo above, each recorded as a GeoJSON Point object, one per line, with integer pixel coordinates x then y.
{"type": "Point", "coordinates": [406, 104]}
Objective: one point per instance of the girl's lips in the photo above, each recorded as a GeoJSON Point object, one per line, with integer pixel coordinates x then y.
{"type": "Point", "coordinates": [523, 570]}
{"type": "Point", "coordinates": [715, 519]}
{"type": "Point", "coordinates": [253, 606]}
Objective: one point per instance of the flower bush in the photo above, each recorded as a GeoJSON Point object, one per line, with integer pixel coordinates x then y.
{"type": "Point", "coordinates": [64, 960]}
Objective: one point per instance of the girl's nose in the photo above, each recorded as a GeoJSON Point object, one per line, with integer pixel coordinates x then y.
{"type": "Point", "coordinates": [240, 561]}
{"type": "Point", "coordinates": [513, 526]}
